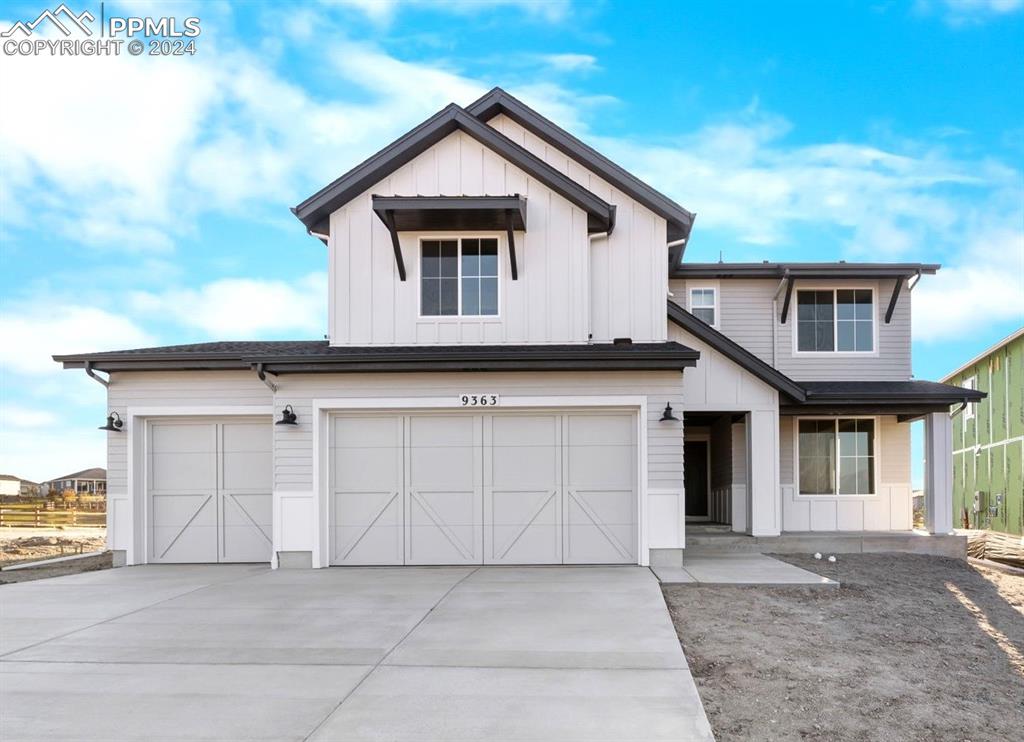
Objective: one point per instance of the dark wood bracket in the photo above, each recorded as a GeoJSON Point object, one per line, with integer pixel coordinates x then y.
{"type": "Point", "coordinates": [509, 217]}
{"type": "Point", "coordinates": [786, 301]}
{"type": "Point", "coordinates": [893, 299]}
{"type": "Point", "coordinates": [389, 222]}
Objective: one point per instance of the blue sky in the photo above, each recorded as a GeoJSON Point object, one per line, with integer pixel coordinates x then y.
{"type": "Point", "coordinates": [145, 201]}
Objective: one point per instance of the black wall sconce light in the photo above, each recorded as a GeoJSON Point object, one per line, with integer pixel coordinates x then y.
{"type": "Point", "coordinates": [667, 415]}
{"type": "Point", "coordinates": [288, 416]}
{"type": "Point", "coordinates": [114, 423]}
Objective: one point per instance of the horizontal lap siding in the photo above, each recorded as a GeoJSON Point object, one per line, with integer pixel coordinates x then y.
{"type": "Point", "coordinates": [178, 389]}
{"type": "Point", "coordinates": [294, 449]}
{"type": "Point", "coordinates": [746, 316]}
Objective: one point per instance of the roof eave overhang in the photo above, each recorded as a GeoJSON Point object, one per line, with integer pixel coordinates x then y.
{"type": "Point", "coordinates": [795, 271]}
{"type": "Point", "coordinates": [736, 353]}
{"type": "Point", "coordinates": [315, 211]}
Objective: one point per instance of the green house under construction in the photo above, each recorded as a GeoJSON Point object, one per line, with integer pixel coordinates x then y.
{"type": "Point", "coordinates": [988, 440]}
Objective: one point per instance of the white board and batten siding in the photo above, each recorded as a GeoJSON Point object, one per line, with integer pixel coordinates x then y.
{"type": "Point", "coordinates": [746, 316]}
{"type": "Point", "coordinates": [567, 290]}
{"type": "Point", "coordinates": [889, 509]}
{"type": "Point", "coordinates": [629, 269]}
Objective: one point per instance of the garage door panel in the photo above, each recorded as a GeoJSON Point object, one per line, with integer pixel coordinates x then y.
{"type": "Point", "coordinates": [601, 466]}
{"type": "Point", "coordinates": [523, 527]}
{"type": "Point", "coordinates": [601, 429]}
{"type": "Point", "coordinates": [600, 527]}
{"type": "Point", "coordinates": [431, 467]}
{"type": "Point", "coordinates": [368, 468]}
{"type": "Point", "coordinates": [444, 527]}
{"type": "Point", "coordinates": [437, 431]}
{"type": "Point", "coordinates": [368, 528]}
{"type": "Point", "coordinates": [525, 466]}
{"type": "Point", "coordinates": [246, 520]}
{"type": "Point", "coordinates": [174, 471]}
{"type": "Point", "coordinates": [209, 490]}
{"type": "Point", "coordinates": [184, 527]}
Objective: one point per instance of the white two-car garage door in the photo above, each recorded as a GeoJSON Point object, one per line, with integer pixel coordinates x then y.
{"type": "Point", "coordinates": [501, 488]}
{"type": "Point", "coordinates": [209, 490]}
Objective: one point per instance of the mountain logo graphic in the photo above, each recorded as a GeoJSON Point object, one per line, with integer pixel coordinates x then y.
{"type": "Point", "coordinates": [55, 17]}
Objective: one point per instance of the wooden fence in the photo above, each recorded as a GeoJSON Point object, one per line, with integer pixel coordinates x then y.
{"type": "Point", "coordinates": [31, 514]}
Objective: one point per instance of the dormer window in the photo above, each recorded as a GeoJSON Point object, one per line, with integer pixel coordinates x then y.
{"type": "Point", "coordinates": [459, 277]}
{"type": "Point", "coordinates": [704, 304]}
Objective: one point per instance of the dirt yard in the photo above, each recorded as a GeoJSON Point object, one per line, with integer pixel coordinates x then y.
{"type": "Point", "coordinates": [29, 544]}
{"type": "Point", "coordinates": [908, 648]}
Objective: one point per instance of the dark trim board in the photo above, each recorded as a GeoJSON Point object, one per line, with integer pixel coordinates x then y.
{"type": "Point", "coordinates": [735, 352]}
{"type": "Point", "coordinates": [318, 357]}
{"type": "Point", "coordinates": [802, 270]}
{"type": "Point", "coordinates": [680, 221]}
{"type": "Point", "coordinates": [315, 211]}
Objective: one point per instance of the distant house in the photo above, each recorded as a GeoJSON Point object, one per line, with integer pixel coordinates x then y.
{"type": "Point", "coordinates": [85, 482]}
{"type": "Point", "coordinates": [988, 438]}
{"type": "Point", "coordinates": [11, 486]}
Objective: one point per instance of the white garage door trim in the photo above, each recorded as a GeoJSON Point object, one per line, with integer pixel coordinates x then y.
{"type": "Point", "coordinates": [135, 428]}
{"type": "Point", "coordinates": [323, 407]}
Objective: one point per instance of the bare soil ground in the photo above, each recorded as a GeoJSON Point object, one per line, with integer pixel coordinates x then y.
{"type": "Point", "coordinates": [30, 544]}
{"type": "Point", "coordinates": [909, 647]}
{"type": "Point", "coordinates": [86, 564]}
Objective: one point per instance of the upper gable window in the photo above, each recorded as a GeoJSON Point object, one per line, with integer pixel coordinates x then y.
{"type": "Point", "coordinates": [704, 304]}
{"type": "Point", "coordinates": [459, 277]}
{"type": "Point", "coordinates": [835, 320]}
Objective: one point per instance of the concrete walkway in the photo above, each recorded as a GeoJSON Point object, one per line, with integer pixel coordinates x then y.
{"type": "Point", "coordinates": [739, 569]}
{"type": "Point", "coordinates": [243, 653]}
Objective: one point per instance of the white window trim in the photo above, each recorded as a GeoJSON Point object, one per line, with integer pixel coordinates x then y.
{"type": "Point", "coordinates": [459, 237]}
{"type": "Point", "coordinates": [836, 497]}
{"type": "Point", "coordinates": [794, 309]}
{"type": "Point", "coordinates": [970, 411]}
{"type": "Point", "coordinates": [714, 286]}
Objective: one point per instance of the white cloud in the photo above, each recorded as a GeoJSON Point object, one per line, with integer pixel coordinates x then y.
{"type": "Point", "coordinates": [568, 62]}
{"type": "Point", "coordinates": [968, 12]}
{"type": "Point", "coordinates": [29, 338]}
{"type": "Point", "coordinates": [242, 308]}
{"type": "Point", "coordinates": [383, 11]}
{"type": "Point", "coordinates": [744, 179]}
{"type": "Point", "coordinates": [21, 417]}
{"type": "Point", "coordinates": [49, 452]}
{"type": "Point", "coordinates": [985, 287]}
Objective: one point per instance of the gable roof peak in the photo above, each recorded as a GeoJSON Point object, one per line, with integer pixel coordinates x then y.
{"type": "Point", "coordinates": [314, 212]}
{"type": "Point", "coordinates": [497, 101]}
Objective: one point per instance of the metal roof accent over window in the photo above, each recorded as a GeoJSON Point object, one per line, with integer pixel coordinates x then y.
{"type": "Point", "coordinates": [452, 213]}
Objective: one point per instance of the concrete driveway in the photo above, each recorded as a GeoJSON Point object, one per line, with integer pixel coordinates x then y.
{"type": "Point", "coordinates": [443, 653]}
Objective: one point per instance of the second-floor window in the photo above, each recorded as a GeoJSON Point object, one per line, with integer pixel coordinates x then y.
{"type": "Point", "coordinates": [835, 320]}
{"type": "Point", "coordinates": [459, 277]}
{"type": "Point", "coordinates": [704, 305]}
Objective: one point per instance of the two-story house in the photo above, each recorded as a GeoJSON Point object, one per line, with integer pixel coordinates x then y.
{"type": "Point", "coordinates": [522, 368]}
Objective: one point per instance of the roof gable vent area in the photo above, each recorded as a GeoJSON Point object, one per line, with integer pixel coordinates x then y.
{"type": "Point", "coordinates": [315, 211]}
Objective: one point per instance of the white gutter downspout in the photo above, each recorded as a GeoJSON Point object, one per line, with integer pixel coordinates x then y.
{"type": "Point", "coordinates": [673, 243]}
{"type": "Point", "coordinates": [590, 308]}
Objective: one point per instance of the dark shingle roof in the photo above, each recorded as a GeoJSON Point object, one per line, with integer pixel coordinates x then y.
{"type": "Point", "coordinates": [94, 473]}
{"type": "Point", "coordinates": [309, 356]}
{"type": "Point", "coordinates": [913, 390]}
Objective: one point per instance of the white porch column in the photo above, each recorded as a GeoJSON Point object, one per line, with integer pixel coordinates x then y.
{"type": "Point", "coordinates": [938, 473]}
{"type": "Point", "coordinates": [764, 517]}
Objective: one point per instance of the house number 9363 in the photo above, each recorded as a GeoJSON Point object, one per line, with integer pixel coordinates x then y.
{"type": "Point", "coordinates": [479, 400]}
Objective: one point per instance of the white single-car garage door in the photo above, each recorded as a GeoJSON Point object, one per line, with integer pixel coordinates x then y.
{"type": "Point", "coordinates": [209, 490]}
{"type": "Point", "coordinates": [504, 488]}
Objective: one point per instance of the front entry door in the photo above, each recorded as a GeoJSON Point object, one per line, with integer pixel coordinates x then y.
{"type": "Point", "coordinates": [695, 479]}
